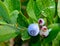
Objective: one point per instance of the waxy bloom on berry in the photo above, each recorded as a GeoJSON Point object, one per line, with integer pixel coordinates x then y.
{"type": "Point", "coordinates": [33, 29]}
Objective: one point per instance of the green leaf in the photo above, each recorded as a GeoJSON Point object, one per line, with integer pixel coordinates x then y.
{"type": "Point", "coordinates": [33, 10]}
{"type": "Point", "coordinates": [13, 16]}
{"type": "Point", "coordinates": [44, 4]}
{"type": "Point", "coordinates": [7, 32]}
{"type": "Point", "coordinates": [59, 8]}
{"type": "Point", "coordinates": [55, 30]}
{"type": "Point", "coordinates": [2, 22]}
{"type": "Point", "coordinates": [22, 20]}
{"type": "Point", "coordinates": [24, 34]}
{"type": "Point", "coordinates": [4, 12]}
{"type": "Point", "coordinates": [35, 41]}
{"type": "Point", "coordinates": [58, 36]}
{"type": "Point", "coordinates": [13, 4]}
{"type": "Point", "coordinates": [55, 42]}
{"type": "Point", "coordinates": [47, 8]}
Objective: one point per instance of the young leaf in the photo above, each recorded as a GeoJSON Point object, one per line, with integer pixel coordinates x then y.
{"type": "Point", "coordinates": [4, 12]}
{"type": "Point", "coordinates": [13, 4]}
{"type": "Point", "coordinates": [13, 16]}
{"type": "Point", "coordinates": [7, 32]}
{"type": "Point", "coordinates": [52, 35]}
{"type": "Point", "coordinates": [33, 10]}
{"type": "Point", "coordinates": [24, 35]}
{"type": "Point", "coordinates": [47, 8]}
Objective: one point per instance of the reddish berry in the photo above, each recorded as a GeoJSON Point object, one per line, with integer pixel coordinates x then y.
{"type": "Point", "coordinates": [41, 21]}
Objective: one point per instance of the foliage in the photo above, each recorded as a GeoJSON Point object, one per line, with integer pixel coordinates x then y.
{"type": "Point", "coordinates": [13, 22]}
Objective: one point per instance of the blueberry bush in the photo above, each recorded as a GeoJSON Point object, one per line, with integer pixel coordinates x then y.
{"type": "Point", "coordinates": [29, 22]}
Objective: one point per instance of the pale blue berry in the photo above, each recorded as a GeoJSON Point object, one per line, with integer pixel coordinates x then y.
{"type": "Point", "coordinates": [33, 29]}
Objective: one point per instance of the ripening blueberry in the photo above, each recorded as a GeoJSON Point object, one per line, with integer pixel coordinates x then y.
{"type": "Point", "coordinates": [44, 28]}
{"type": "Point", "coordinates": [45, 34]}
{"type": "Point", "coordinates": [41, 21]}
{"type": "Point", "coordinates": [33, 29]}
{"type": "Point", "coordinates": [44, 31]}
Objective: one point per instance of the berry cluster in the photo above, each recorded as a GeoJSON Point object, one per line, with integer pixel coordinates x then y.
{"type": "Point", "coordinates": [35, 29]}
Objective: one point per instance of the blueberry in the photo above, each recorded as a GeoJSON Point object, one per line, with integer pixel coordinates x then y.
{"type": "Point", "coordinates": [45, 34]}
{"type": "Point", "coordinates": [44, 31]}
{"type": "Point", "coordinates": [33, 29]}
{"type": "Point", "coordinates": [44, 28]}
{"type": "Point", "coordinates": [41, 21]}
